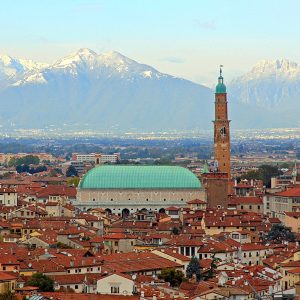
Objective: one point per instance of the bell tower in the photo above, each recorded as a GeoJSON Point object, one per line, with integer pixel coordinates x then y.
{"type": "Point", "coordinates": [221, 129]}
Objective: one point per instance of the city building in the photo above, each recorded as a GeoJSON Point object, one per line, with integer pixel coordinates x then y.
{"type": "Point", "coordinates": [126, 189]}
{"type": "Point", "coordinates": [217, 183]}
{"type": "Point", "coordinates": [8, 197]}
{"type": "Point", "coordinates": [221, 129]}
{"type": "Point", "coordinates": [278, 204]}
{"type": "Point", "coordinates": [97, 158]}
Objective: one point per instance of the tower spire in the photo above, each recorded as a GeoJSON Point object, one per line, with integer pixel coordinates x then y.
{"type": "Point", "coordinates": [220, 88]}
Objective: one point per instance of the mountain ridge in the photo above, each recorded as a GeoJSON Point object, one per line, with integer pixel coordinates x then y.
{"type": "Point", "coordinates": [113, 92]}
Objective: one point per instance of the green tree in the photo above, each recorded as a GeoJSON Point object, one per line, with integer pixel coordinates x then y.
{"type": "Point", "coordinates": [26, 160]}
{"type": "Point", "coordinates": [71, 171]}
{"type": "Point", "coordinates": [193, 269]}
{"type": "Point", "coordinates": [264, 173]}
{"type": "Point", "coordinates": [280, 233]}
{"type": "Point", "coordinates": [252, 174]}
{"type": "Point", "coordinates": [73, 181]}
{"type": "Point", "coordinates": [174, 277]}
{"type": "Point", "coordinates": [267, 172]}
{"type": "Point", "coordinates": [43, 282]}
{"type": "Point", "coordinates": [175, 230]}
{"type": "Point", "coordinates": [213, 266]}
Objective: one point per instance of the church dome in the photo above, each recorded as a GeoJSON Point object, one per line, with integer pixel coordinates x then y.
{"type": "Point", "coordinates": [221, 87]}
{"type": "Point", "coordinates": [139, 177]}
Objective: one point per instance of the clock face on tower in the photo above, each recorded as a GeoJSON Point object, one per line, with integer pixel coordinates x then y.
{"type": "Point", "coordinates": [223, 131]}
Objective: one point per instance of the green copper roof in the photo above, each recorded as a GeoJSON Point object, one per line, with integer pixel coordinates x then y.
{"type": "Point", "coordinates": [139, 177]}
{"type": "Point", "coordinates": [221, 87]}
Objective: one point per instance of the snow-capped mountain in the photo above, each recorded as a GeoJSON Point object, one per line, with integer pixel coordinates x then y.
{"type": "Point", "coordinates": [105, 91]}
{"type": "Point", "coordinates": [110, 91]}
{"type": "Point", "coordinates": [10, 67]}
{"type": "Point", "coordinates": [270, 83]}
{"type": "Point", "coordinates": [86, 62]}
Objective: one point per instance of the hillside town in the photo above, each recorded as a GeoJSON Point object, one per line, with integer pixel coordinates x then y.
{"type": "Point", "coordinates": [90, 227]}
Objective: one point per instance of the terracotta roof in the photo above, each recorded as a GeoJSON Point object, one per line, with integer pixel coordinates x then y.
{"type": "Point", "coordinates": [5, 276]}
{"type": "Point", "coordinates": [172, 208]}
{"type": "Point", "coordinates": [293, 192]}
{"type": "Point", "coordinates": [196, 201]}
{"type": "Point", "coordinates": [294, 271]}
{"type": "Point", "coordinates": [76, 296]}
{"type": "Point", "coordinates": [245, 200]}
{"type": "Point", "coordinates": [253, 247]}
{"type": "Point", "coordinates": [57, 190]}
{"type": "Point", "coordinates": [295, 214]}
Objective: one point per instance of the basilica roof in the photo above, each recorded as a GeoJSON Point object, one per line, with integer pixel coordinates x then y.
{"type": "Point", "coordinates": [139, 177]}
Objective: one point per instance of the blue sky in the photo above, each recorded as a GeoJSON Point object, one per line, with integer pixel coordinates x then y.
{"type": "Point", "coordinates": [186, 38]}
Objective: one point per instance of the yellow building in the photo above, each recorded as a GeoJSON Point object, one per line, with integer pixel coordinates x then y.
{"type": "Point", "coordinates": [7, 282]}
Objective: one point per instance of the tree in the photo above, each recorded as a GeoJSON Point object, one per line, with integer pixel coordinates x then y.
{"type": "Point", "coordinates": [267, 172]}
{"type": "Point", "coordinates": [264, 173]}
{"type": "Point", "coordinates": [26, 160]}
{"type": "Point", "coordinates": [26, 168]}
{"type": "Point", "coordinates": [193, 269]}
{"type": "Point", "coordinates": [280, 233]}
{"type": "Point", "coordinates": [174, 277]}
{"type": "Point", "coordinates": [71, 171]}
{"type": "Point", "coordinates": [213, 266]}
{"type": "Point", "coordinates": [73, 181]}
{"type": "Point", "coordinates": [175, 230]}
{"type": "Point", "coordinates": [43, 282]}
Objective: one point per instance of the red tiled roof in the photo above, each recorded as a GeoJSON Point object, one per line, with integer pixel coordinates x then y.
{"type": "Point", "coordinates": [196, 201]}
{"type": "Point", "coordinates": [172, 208]}
{"type": "Point", "coordinates": [4, 276]}
{"type": "Point", "coordinates": [293, 192]}
{"type": "Point", "coordinates": [253, 247]}
{"type": "Point", "coordinates": [295, 214]}
{"type": "Point", "coordinates": [76, 296]}
{"type": "Point", "coordinates": [58, 190]}
{"type": "Point", "coordinates": [245, 200]}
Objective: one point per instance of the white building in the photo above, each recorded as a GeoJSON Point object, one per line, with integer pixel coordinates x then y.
{"type": "Point", "coordinates": [116, 284]}
{"type": "Point", "coordinates": [96, 158]}
{"type": "Point", "coordinates": [8, 197]}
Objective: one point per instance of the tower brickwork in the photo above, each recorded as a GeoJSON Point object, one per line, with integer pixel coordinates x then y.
{"type": "Point", "coordinates": [221, 129]}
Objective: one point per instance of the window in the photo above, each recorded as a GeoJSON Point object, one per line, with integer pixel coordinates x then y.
{"type": "Point", "coordinates": [76, 287]}
{"type": "Point", "coordinates": [114, 289]}
{"type": "Point", "coordinates": [187, 250]}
